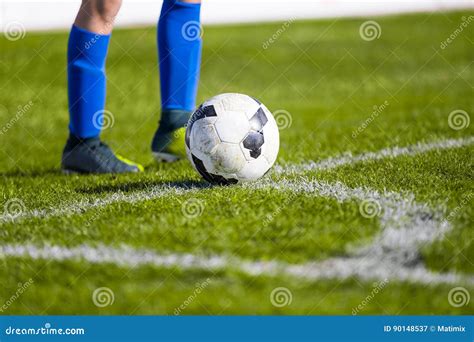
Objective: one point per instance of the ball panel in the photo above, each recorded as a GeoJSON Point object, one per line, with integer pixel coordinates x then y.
{"type": "Point", "coordinates": [232, 127]}
{"type": "Point", "coordinates": [204, 112]}
{"type": "Point", "coordinates": [245, 152]}
{"type": "Point", "coordinates": [253, 170]}
{"type": "Point", "coordinates": [272, 140]}
{"type": "Point", "coordinates": [235, 102]}
{"type": "Point", "coordinates": [217, 102]}
{"type": "Point", "coordinates": [251, 108]}
{"type": "Point", "coordinates": [227, 158]}
{"type": "Point", "coordinates": [211, 178]}
{"type": "Point", "coordinates": [258, 120]}
{"type": "Point", "coordinates": [254, 142]}
{"type": "Point", "coordinates": [204, 138]}
{"type": "Point", "coordinates": [207, 113]}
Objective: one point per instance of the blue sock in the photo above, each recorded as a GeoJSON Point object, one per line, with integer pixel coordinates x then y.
{"type": "Point", "coordinates": [179, 49]}
{"type": "Point", "coordinates": [86, 56]}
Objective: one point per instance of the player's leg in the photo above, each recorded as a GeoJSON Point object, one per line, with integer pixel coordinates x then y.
{"type": "Point", "coordinates": [87, 52]}
{"type": "Point", "coordinates": [179, 49]}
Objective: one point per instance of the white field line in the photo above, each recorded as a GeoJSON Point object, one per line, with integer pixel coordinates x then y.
{"type": "Point", "coordinates": [392, 152]}
{"type": "Point", "coordinates": [393, 254]}
{"type": "Point", "coordinates": [405, 224]}
{"type": "Point", "coordinates": [126, 256]}
{"type": "Point", "coordinates": [82, 206]}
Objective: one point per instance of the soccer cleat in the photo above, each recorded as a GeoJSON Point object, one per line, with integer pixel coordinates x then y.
{"type": "Point", "coordinates": [169, 147]}
{"type": "Point", "coordinates": [94, 156]}
{"type": "Point", "coordinates": [168, 143]}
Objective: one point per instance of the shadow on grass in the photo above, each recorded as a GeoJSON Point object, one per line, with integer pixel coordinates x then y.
{"type": "Point", "coordinates": [124, 186]}
{"type": "Point", "coordinates": [146, 185]}
{"type": "Point", "coordinates": [30, 173]}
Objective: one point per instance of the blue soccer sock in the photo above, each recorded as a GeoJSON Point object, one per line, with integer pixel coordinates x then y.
{"type": "Point", "coordinates": [87, 52]}
{"type": "Point", "coordinates": [179, 49]}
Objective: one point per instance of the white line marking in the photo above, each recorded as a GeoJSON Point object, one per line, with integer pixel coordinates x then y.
{"type": "Point", "coordinates": [392, 152]}
{"type": "Point", "coordinates": [393, 254]}
{"type": "Point", "coordinates": [82, 206]}
{"type": "Point", "coordinates": [126, 256]}
{"type": "Point", "coordinates": [405, 224]}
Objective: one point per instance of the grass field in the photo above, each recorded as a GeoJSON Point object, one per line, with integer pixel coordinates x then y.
{"type": "Point", "coordinates": [68, 237]}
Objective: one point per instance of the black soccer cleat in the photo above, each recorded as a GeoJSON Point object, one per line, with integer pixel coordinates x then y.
{"type": "Point", "coordinates": [93, 156]}
{"type": "Point", "coordinates": [168, 141]}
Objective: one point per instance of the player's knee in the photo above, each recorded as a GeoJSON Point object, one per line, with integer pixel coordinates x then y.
{"type": "Point", "coordinates": [107, 10]}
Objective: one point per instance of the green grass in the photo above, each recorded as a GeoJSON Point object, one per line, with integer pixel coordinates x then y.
{"type": "Point", "coordinates": [329, 89]}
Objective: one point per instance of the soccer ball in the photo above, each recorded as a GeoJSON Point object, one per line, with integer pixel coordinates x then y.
{"type": "Point", "coordinates": [232, 138]}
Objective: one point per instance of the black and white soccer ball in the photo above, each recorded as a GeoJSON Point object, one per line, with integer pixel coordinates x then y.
{"type": "Point", "coordinates": [232, 138]}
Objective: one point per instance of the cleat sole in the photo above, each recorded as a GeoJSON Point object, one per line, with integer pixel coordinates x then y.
{"type": "Point", "coordinates": [165, 157]}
